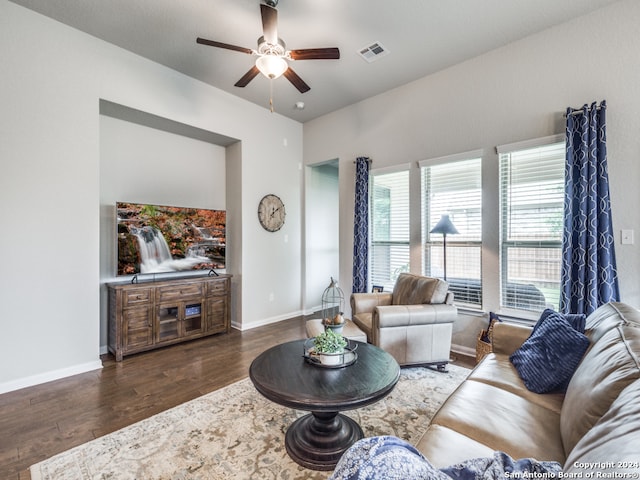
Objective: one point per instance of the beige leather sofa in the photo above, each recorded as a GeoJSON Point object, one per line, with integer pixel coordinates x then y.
{"type": "Point", "coordinates": [413, 323]}
{"type": "Point", "coordinates": [593, 429]}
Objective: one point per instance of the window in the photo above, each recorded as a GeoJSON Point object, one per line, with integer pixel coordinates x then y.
{"type": "Point", "coordinates": [454, 188]}
{"type": "Point", "coordinates": [531, 201]}
{"type": "Point", "coordinates": [389, 254]}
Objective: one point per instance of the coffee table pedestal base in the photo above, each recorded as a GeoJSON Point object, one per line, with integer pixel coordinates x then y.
{"type": "Point", "coordinates": [318, 440]}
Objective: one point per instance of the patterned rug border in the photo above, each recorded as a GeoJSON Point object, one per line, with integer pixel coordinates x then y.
{"type": "Point", "coordinates": [234, 432]}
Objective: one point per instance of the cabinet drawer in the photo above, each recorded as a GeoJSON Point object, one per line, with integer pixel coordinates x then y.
{"type": "Point", "coordinates": [177, 293]}
{"type": "Point", "coordinates": [218, 287]}
{"type": "Point", "coordinates": [136, 296]}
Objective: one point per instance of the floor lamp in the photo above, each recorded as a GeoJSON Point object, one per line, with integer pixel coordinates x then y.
{"type": "Point", "coordinates": [444, 226]}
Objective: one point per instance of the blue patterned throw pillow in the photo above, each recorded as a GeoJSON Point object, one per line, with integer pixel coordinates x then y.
{"type": "Point", "coordinates": [577, 320]}
{"type": "Point", "coordinates": [547, 360]}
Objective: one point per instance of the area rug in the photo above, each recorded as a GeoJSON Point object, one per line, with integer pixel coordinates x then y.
{"type": "Point", "coordinates": [235, 433]}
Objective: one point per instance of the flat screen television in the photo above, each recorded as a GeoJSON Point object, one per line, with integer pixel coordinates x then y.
{"type": "Point", "coordinates": [162, 239]}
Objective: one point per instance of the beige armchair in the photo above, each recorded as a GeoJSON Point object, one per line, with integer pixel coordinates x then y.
{"type": "Point", "coordinates": [414, 323]}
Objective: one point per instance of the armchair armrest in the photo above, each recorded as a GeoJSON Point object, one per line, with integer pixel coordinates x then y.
{"type": "Point", "coordinates": [406, 315]}
{"type": "Point", "coordinates": [508, 337]}
{"type": "Point", "coordinates": [367, 302]}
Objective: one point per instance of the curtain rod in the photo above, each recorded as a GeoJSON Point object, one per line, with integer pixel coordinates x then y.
{"type": "Point", "coordinates": [580, 110]}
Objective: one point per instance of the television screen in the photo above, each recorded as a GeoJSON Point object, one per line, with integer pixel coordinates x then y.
{"type": "Point", "coordinates": [160, 239]}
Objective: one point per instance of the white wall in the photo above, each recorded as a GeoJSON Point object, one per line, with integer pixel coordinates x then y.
{"type": "Point", "coordinates": [52, 82]}
{"type": "Point", "coordinates": [146, 165]}
{"type": "Point", "coordinates": [515, 93]}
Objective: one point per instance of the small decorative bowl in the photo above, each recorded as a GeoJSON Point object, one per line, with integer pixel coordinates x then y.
{"type": "Point", "coordinates": [336, 328]}
{"type": "Point", "coordinates": [330, 360]}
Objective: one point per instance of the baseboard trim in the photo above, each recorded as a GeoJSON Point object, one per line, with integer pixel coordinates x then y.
{"type": "Point", "coordinates": [266, 321]}
{"type": "Point", "coordinates": [49, 376]}
{"type": "Point", "coordinates": [462, 350]}
{"type": "Point", "coordinates": [312, 310]}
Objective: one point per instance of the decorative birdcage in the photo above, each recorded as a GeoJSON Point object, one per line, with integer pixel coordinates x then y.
{"type": "Point", "coordinates": [332, 303]}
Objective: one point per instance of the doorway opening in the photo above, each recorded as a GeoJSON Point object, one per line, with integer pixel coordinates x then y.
{"type": "Point", "coordinates": [322, 231]}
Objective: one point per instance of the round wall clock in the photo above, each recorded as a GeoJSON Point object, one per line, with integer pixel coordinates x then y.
{"type": "Point", "coordinates": [271, 213]}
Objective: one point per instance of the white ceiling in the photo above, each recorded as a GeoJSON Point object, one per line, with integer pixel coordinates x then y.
{"type": "Point", "coordinates": [422, 36]}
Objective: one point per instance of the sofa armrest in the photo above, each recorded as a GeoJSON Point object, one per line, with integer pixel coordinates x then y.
{"type": "Point", "coordinates": [367, 302]}
{"type": "Point", "coordinates": [449, 298]}
{"type": "Point", "coordinates": [508, 337]}
{"type": "Point", "coordinates": [407, 315]}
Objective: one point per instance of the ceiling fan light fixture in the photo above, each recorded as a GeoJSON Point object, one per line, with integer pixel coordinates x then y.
{"type": "Point", "coordinates": [273, 54]}
{"type": "Point", "coordinates": [271, 66]}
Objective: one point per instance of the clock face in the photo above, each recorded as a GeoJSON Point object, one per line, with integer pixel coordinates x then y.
{"type": "Point", "coordinates": [271, 213]}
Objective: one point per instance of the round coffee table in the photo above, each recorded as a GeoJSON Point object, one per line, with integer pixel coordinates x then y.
{"type": "Point", "coordinates": [318, 440]}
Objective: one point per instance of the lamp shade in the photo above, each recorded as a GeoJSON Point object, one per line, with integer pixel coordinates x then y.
{"type": "Point", "coordinates": [271, 66]}
{"type": "Point", "coordinates": [444, 226]}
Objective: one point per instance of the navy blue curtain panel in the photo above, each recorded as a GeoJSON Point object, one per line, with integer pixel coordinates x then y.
{"type": "Point", "coordinates": [589, 277]}
{"type": "Point", "coordinates": [361, 227]}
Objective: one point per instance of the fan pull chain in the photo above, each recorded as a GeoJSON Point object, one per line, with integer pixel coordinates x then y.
{"type": "Point", "coordinates": [271, 95]}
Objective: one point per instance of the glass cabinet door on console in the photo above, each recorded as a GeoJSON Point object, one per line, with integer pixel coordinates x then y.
{"type": "Point", "coordinates": [193, 319]}
{"type": "Point", "coordinates": [180, 311]}
{"type": "Point", "coordinates": [168, 326]}
{"type": "Point", "coordinates": [179, 319]}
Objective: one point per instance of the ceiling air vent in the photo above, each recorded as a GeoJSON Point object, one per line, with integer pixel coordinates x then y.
{"type": "Point", "coordinates": [373, 52]}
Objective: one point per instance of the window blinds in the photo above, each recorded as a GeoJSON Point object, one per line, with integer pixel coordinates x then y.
{"type": "Point", "coordinates": [389, 254]}
{"type": "Point", "coordinates": [455, 188]}
{"type": "Point", "coordinates": [531, 203]}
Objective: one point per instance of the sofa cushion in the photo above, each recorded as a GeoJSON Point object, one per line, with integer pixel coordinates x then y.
{"type": "Point", "coordinates": [547, 360]}
{"type": "Point", "coordinates": [444, 446]}
{"type": "Point", "coordinates": [497, 370]}
{"type": "Point", "coordinates": [508, 337]}
{"type": "Point", "coordinates": [616, 436]}
{"type": "Point", "coordinates": [413, 289]}
{"type": "Point", "coordinates": [502, 421]}
{"type": "Point", "coordinates": [609, 316]}
{"type": "Point", "coordinates": [609, 366]}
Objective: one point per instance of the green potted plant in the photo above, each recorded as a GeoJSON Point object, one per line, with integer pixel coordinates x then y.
{"type": "Point", "coordinates": [329, 347]}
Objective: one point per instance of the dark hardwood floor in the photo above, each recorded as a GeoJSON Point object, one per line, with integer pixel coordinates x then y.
{"type": "Point", "coordinates": [41, 421]}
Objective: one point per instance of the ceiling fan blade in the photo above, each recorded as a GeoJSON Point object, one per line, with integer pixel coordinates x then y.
{"type": "Point", "coordinates": [269, 24]}
{"type": "Point", "coordinates": [315, 54]}
{"type": "Point", "coordinates": [296, 80]}
{"type": "Point", "coordinates": [213, 43]}
{"type": "Point", "coordinates": [247, 77]}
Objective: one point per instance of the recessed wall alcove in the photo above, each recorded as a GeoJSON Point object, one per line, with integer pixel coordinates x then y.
{"type": "Point", "coordinates": [151, 159]}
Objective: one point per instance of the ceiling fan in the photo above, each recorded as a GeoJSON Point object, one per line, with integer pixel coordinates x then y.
{"type": "Point", "coordinates": [272, 53]}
